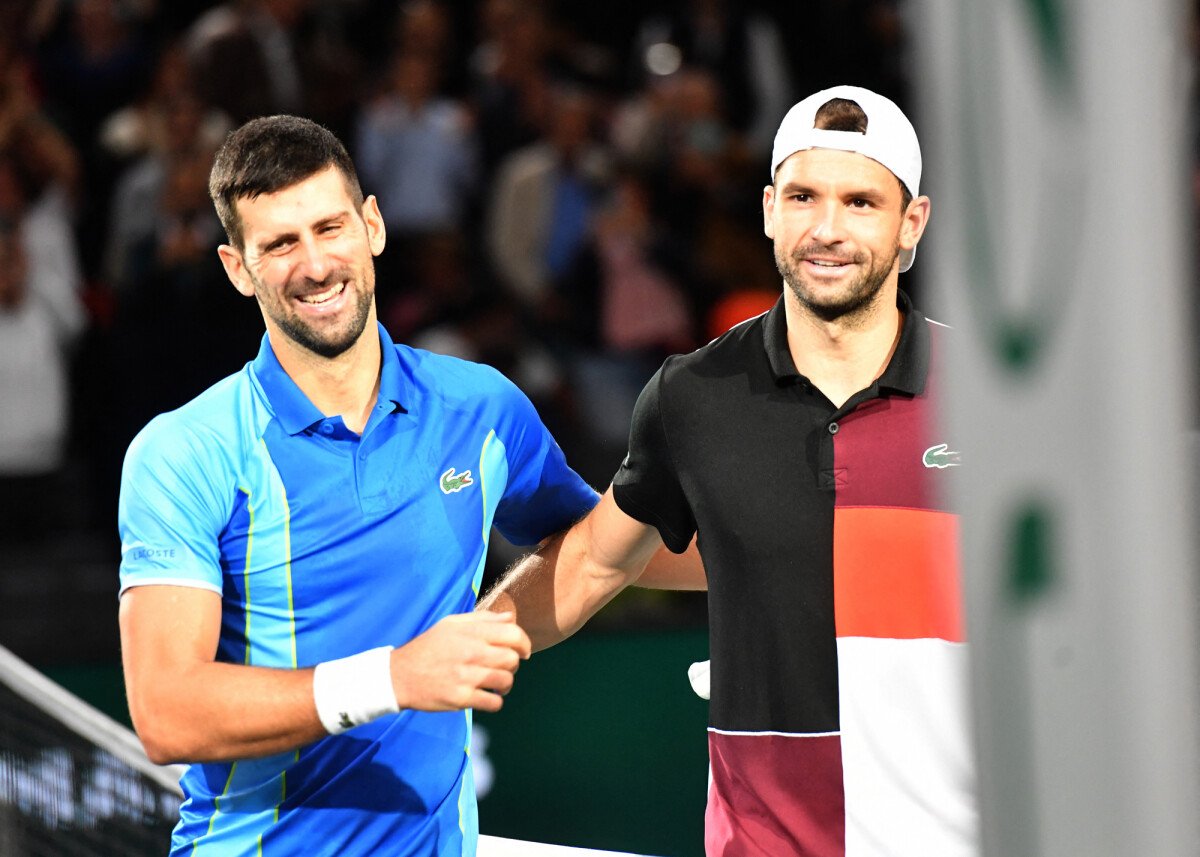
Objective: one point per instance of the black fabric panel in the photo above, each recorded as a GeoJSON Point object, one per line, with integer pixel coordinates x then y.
{"type": "Point", "coordinates": [747, 453]}
{"type": "Point", "coordinates": [647, 486]}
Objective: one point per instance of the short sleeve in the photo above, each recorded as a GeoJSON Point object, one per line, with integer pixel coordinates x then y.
{"type": "Point", "coordinates": [171, 510]}
{"type": "Point", "coordinates": [543, 495]}
{"type": "Point", "coordinates": [647, 485]}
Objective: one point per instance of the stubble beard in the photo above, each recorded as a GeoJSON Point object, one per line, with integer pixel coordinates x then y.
{"type": "Point", "coordinates": [338, 340]}
{"type": "Point", "coordinates": [854, 302]}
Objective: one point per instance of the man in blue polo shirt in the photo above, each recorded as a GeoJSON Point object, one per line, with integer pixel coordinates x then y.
{"type": "Point", "coordinates": [282, 532]}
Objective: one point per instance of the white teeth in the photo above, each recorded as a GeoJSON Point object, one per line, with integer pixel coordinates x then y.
{"type": "Point", "coordinates": [321, 297]}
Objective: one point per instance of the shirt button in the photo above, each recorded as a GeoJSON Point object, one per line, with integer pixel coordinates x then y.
{"type": "Point", "coordinates": [833, 428]}
{"type": "Point", "coordinates": [326, 428]}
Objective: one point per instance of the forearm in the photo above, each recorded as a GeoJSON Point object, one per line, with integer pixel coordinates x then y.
{"type": "Point", "coordinates": [551, 602]}
{"type": "Point", "coordinates": [555, 590]}
{"type": "Point", "coordinates": [527, 590]}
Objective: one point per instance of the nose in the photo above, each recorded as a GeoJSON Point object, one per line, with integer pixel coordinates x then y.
{"type": "Point", "coordinates": [828, 229]}
{"type": "Point", "coordinates": [314, 262]}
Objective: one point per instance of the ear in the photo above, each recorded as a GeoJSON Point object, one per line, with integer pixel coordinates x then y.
{"type": "Point", "coordinates": [916, 218]}
{"type": "Point", "coordinates": [768, 204]}
{"type": "Point", "coordinates": [376, 232]}
{"type": "Point", "coordinates": [235, 268]}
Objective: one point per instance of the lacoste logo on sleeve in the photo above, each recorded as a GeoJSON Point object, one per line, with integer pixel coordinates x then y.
{"type": "Point", "coordinates": [941, 457]}
{"type": "Point", "coordinates": [452, 482]}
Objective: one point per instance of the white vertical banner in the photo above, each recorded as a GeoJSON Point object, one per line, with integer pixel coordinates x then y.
{"type": "Point", "coordinates": [1054, 135]}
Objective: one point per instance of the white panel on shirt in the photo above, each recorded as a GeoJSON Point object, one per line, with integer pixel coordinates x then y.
{"type": "Point", "coordinates": [906, 749]}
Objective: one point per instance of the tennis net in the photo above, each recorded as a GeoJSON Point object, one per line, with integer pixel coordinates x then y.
{"type": "Point", "coordinates": [73, 782]}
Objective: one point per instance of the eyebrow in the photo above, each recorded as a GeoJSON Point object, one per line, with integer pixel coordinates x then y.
{"type": "Point", "coordinates": [794, 187]}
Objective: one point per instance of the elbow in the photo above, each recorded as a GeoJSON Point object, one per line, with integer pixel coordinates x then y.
{"type": "Point", "coordinates": [159, 754]}
{"type": "Point", "coordinates": [158, 750]}
{"type": "Point", "coordinates": [162, 740]}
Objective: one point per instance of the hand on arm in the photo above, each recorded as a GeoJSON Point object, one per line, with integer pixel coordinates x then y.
{"type": "Point", "coordinates": [559, 587]}
{"type": "Point", "coordinates": [186, 706]}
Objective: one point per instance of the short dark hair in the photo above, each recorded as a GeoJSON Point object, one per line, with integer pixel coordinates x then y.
{"type": "Point", "coordinates": [269, 154]}
{"type": "Point", "coordinates": [842, 114]}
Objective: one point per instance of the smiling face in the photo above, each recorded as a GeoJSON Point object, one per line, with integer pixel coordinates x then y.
{"type": "Point", "coordinates": [838, 223]}
{"type": "Point", "coordinates": [307, 258]}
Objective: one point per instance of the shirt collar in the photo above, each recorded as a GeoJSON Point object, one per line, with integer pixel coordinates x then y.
{"type": "Point", "coordinates": [906, 372]}
{"type": "Point", "coordinates": [294, 410]}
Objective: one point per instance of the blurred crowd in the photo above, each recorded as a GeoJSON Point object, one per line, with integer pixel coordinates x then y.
{"type": "Point", "coordinates": [571, 191]}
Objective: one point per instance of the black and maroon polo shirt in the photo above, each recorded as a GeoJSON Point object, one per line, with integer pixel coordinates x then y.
{"type": "Point", "coordinates": [838, 717]}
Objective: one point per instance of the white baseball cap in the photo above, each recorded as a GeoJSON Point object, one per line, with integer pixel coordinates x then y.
{"type": "Point", "coordinates": [889, 138]}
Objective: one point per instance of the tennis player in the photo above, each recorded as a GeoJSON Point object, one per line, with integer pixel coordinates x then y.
{"type": "Point", "coordinates": [801, 447]}
{"type": "Point", "coordinates": [303, 543]}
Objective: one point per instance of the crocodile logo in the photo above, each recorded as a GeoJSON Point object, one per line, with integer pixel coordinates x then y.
{"type": "Point", "coordinates": [452, 482]}
{"type": "Point", "coordinates": [941, 457]}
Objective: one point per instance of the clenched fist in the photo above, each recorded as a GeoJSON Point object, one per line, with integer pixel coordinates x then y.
{"type": "Point", "coordinates": [464, 661]}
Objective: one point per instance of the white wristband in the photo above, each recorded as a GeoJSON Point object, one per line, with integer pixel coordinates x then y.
{"type": "Point", "coordinates": [354, 690]}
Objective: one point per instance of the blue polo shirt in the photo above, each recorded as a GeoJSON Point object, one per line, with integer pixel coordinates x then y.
{"type": "Point", "coordinates": [323, 543]}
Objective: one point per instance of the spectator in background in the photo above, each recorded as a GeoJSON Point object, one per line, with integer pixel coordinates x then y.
{"type": "Point", "coordinates": [426, 27]}
{"type": "Point", "coordinates": [25, 132]}
{"type": "Point", "coordinates": [244, 54]}
{"type": "Point", "coordinates": [742, 49]}
{"type": "Point", "coordinates": [451, 312]}
{"type": "Point", "coordinates": [259, 57]}
{"type": "Point", "coordinates": [137, 221]}
{"type": "Point", "coordinates": [542, 203]}
{"type": "Point", "coordinates": [623, 311]}
{"type": "Point", "coordinates": [91, 61]}
{"type": "Point", "coordinates": [172, 275]}
{"type": "Point", "coordinates": [511, 89]}
{"type": "Point", "coordinates": [677, 134]}
{"type": "Point", "coordinates": [40, 317]}
{"type": "Point", "coordinates": [35, 169]}
{"type": "Point", "coordinates": [147, 126]}
{"type": "Point", "coordinates": [416, 150]}
{"type": "Point", "coordinates": [643, 310]}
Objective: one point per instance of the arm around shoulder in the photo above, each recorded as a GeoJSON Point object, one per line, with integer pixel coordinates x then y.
{"type": "Point", "coordinates": [556, 589]}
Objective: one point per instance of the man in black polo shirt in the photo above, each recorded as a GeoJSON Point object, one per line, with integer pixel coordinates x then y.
{"type": "Point", "coordinates": [801, 450]}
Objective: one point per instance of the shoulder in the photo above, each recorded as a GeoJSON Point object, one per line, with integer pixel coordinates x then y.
{"type": "Point", "coordinates": [204, 436]}
{"type": "Point", "coordinates": [731, 353]}
{"type": "Point", "coordinates": [455, 382]}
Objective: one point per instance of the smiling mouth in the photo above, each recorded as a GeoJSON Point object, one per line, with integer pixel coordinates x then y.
{"type": "Point", "coordinates": [329, 294]}
{"type": "Point", "coordinates": [831, 264]}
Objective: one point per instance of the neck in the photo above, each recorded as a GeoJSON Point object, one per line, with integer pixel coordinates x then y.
{"type": "Point", "coordinates": [846, 355]}
{"type": "Point", "coordinates": [346, 385]}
